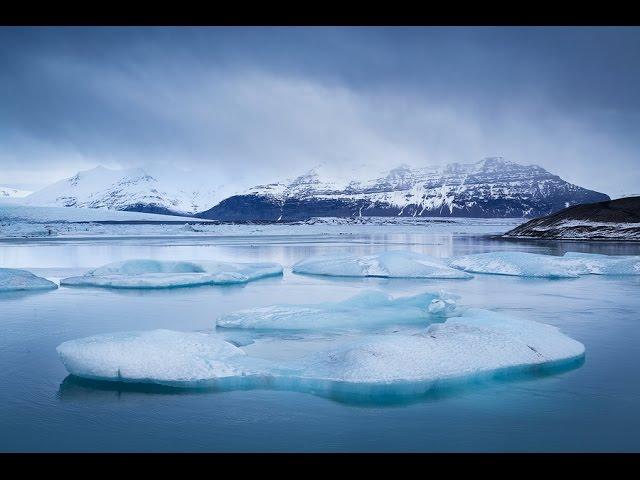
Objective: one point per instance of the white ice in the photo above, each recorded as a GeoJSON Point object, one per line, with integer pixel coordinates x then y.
{"type": "Point", "coordinates": [13, 280]}
{"type": "Point", "coordinates": [366, 310]}
{"type": "Point", "coordinates": [478, 343]}
{"type": "Point", "coordinates": [156, 356]}
{"type": "Point", "coordinates": [168, 274]}
{"type": "Point", "coordinates": [598, 264]}
{"type": "Point", "coordinates": [547, 266]}
{"type": "Point", "coordinates": [392, 264]}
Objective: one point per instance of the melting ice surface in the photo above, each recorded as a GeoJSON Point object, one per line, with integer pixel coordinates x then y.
{"type": "Point", "coordinates": [548, 266]}
{"type": "Point", "coordinates": [366, 310]}
{"type": "Point", "coordinates": [13, 280]}
{"type": "Point", "coordinates": [479, 343]}
{"type": "Point", "coordinates": [168, 274]}
{"type": "Point", "coordinates": [392, 264]}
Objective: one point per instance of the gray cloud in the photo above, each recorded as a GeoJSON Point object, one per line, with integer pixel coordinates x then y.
{"type": "Point", "coordinates": [252, 105]}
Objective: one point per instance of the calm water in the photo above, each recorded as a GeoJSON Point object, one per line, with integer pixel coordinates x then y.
{"type": "Point", "coordinates": [591, 408]}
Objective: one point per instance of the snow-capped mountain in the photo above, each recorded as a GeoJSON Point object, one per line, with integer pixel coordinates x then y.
{"type": "Point", "coordinates": [492, 187]}
{"type": "Point", "coordinates": [8, 192]}
{"type": "Point", "coordinates": [160, 190]}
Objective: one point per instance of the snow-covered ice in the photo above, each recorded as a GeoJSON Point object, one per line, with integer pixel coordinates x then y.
{"type": "Point", "coordinates": [391, 264]}
{"type": "Point", "coordinates": [156, 356]}
{"type": "Point", "coordinates": [599, 264]}
{"type": "Point", "coordinates": [366, 310]}
{"type": "Point", "coordinates": [13, 280]}
{"type": "Point", "coordinates": [478, 343]}
{"type": "Point", "coordinates": [168, 274]}
{"type": "Point", "coordinates": [526, 264]}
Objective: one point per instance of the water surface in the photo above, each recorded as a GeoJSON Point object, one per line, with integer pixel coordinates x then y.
{"type": "Point", "coordinates": [589, 408]}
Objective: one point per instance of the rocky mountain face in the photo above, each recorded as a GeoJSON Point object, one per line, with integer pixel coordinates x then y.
{"type": "Point", "coordinates": [493, 187]}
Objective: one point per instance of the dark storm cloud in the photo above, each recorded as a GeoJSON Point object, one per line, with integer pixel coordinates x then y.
{"type": "Point", "coordinates": [256, 104]}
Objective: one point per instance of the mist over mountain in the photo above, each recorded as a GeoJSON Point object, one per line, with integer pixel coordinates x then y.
{"type": "Point", "coordinates": [151, 190]}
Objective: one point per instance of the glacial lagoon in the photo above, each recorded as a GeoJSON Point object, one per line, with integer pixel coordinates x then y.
{"type": "Point", "coordinates": [589, 404]}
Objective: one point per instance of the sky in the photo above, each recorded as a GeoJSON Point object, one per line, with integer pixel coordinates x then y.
{"type": "Point", "coordinates": [252, 105]}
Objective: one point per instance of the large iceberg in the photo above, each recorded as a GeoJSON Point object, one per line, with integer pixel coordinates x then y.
{"type": "Point", "coordinates": [368, 309]}
{"type": "Point", "coordinates": [526, 264]}
{"type": "Point", "coordinates": [477, 344]}
{"type": "Point", "coordinates": [167, 274]}
{"type": "Point", "coordinates": [14, 280]}
{"type": "Point", "coordinates": [392, 264]}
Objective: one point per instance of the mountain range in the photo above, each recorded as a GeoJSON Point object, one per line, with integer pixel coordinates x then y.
{"type": "Point", "coordinates": [492, 187]}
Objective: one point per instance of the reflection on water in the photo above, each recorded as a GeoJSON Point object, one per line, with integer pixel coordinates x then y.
{"type": "Point", "coordinates": [287, 251]}
{"type": "Point", "coordinates": [365, 395]}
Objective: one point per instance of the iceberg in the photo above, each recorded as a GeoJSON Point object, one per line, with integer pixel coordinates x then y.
{"type": "Point", "coordinates": [368, 309]}
{"type": "Point", "coordinates": [158, 356]}
{"type": "Point", "coordinates": [14, 280]}
{"type": "Point", "coordinates": [169, 274]}
{"type": "Point", "coordinates": [478, 344]}
{"type": "Point", "coordinates": [393, 264]}
{"type": "Point", "coordinates": [525, 264]}
{"type": "Point", "coordinates": [598, 264]}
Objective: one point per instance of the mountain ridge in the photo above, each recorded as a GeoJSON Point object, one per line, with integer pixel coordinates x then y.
{"type": "Point", "coordinates": [492, 187]}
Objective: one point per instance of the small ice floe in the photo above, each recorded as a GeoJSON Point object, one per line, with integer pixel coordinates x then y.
{"type": "Point", "coordinates": [526, 264]}
{"type": "Point", "coordinates": [14, 280]}
{"type": "Point", "coordinates": [366, 310]}
{"type": "Point", "coordinates": [169, 274]}
{"type": "Point", "coordinates": [393, 264]}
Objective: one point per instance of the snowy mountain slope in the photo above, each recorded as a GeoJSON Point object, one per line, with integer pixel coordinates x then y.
{"type": "Point", "coordinates": [159, 190]}
{"type": "Point", "coordinates": [8, 192]}
{"type": "Point", "coordinates": [492, 187]}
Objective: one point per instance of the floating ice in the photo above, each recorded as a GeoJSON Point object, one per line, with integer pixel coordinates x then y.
{"type": "Point", "coordinates": [549, 266]}
{"type": "Point", "coordinates": [477, 344]}
{"type": "Point", "coordinates": [167, 274]}
{"type": "Point", "coordinates": [393, 264]}
{"type": "Point", "coordinates": [13, 280]}
{"type": "Point", "coordinates": [368, 309]}
{"type": "Point", "coordinates": [157, 356]}
{"type": "Point", "coordinates": [607, 264]}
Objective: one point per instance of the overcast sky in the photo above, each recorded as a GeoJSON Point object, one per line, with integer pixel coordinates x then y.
{"type": "Point", "coordinates": [248, 105]}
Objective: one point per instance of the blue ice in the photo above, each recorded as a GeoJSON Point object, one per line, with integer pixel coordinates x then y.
{"type": "Point", "coordinates": [365, 310]}
{"type": "Point", "coordinates": [391, 264]}
{"type": "Point", "coordinates": [525, 264]}
{"type": "Point", "coordinates": [168, 274]}
{"type": "Point", "coordinates": [13, 280]}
